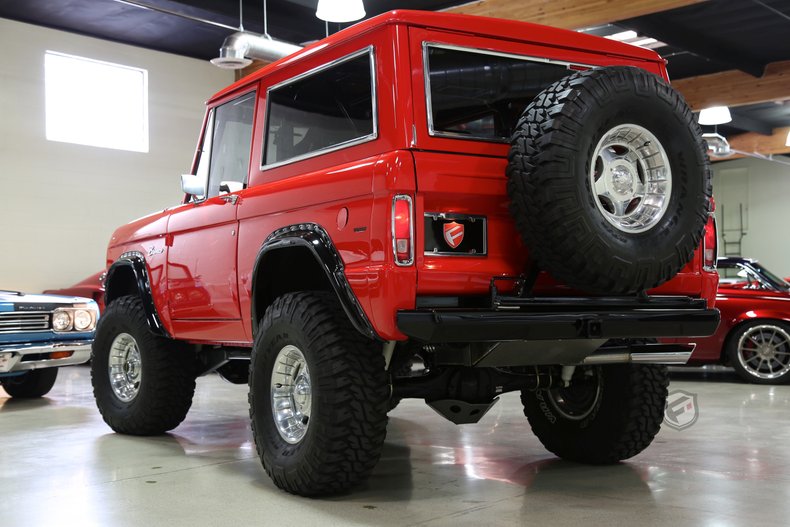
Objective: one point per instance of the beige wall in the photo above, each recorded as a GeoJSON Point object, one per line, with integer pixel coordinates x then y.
{"type": "Point", "coordinates": [762, 189]}
{"type": "Point", "coordinates": [60, 202]}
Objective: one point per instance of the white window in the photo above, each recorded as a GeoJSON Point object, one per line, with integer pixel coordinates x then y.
{"type": "Point", "coordinates": [96, 103]}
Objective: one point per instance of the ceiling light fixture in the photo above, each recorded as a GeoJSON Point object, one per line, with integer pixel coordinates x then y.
{"type": "Point", "coordinates": [715, 115]}
{"type": "Point", "coordinates": [623, 35]}
{"type": "Point", "coordinates": [340, 11]}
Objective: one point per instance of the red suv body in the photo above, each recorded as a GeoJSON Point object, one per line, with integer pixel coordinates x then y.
{"type": "Point", "coordinates": [203, 257]}
{"type": "Point", "coordinates": [371, 167]}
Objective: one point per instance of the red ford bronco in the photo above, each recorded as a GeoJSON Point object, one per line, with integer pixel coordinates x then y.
{"type": "Point", "coordinates": [514, 207]}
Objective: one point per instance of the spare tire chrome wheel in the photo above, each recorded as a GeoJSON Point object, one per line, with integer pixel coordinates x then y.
{"type": "Point", "coordinates": [609, 181]}
{"type": "Point", "coordinates": [631, 178]}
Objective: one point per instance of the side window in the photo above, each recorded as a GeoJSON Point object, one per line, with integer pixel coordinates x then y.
{"type": "Point", "coordinates": [228, 138]}
{"type": "Point", "coordinates": [322, 111]}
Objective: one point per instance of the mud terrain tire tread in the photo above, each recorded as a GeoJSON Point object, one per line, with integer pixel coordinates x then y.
{"type": "Point", "coordinates": [168, 374]}
{"type": "Point", "coordinates": [548, 182]}
{"type": "Point", "coordinates": [629, 417]}
{"type": "Point", "coordinates": [348, 420]}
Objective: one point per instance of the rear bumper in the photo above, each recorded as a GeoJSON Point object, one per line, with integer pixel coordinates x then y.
{"type": "Point", "coordinates": [561, 319]}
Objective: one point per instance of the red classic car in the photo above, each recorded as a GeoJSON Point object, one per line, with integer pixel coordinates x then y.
{"type": "Point", "coordinates": [91, 287]}
{"type": "Point", "coordinates": [754, 334]}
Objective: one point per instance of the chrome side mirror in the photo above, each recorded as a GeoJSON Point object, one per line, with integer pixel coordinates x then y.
{"type": "Point", "coordinates": [230, 186]}
{"type": "Point", "coordinates": [193, 185]}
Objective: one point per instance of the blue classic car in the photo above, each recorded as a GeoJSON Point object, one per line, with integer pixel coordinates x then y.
{"type": "Point", "coordinates": [39, 333]}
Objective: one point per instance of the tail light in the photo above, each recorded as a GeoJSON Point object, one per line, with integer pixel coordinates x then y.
{"type": "Point", "coordinates": [710, 244]}
{"type": "Point", "coordinates": [403, 230]}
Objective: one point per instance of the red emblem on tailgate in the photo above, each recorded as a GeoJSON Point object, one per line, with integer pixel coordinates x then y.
{"type": "Point", "coordinates": [453, 234]}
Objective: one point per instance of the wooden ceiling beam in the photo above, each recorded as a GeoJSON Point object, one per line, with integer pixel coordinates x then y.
{"type": "Point", "coordinates": [569, 14]}
{"type": "Point", "coordinates": [736, 88]}
{"type": "Point", "coordinates": [753, 143]}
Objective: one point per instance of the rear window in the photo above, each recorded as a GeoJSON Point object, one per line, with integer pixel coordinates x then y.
{"type": "Point", "coordinates": [474, 94]}
{"type": "Point", "coordinates": [321, 111]}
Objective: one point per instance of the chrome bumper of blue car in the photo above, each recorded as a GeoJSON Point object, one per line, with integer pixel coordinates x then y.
{"type": "Point", "coordinates": [23, 357]}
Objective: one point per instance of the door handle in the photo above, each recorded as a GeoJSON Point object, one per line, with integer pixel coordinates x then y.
{"type": "Point", "coordinates": [229, 198]}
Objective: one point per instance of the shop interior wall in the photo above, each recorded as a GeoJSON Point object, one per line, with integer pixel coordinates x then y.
{"type": "Point", "coordinates": [754, 193]}
{"type": "Point", "coordinates": [59, 202]}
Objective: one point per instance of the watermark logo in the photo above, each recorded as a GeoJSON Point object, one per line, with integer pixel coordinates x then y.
{"type": "Point", "coordinates": [681, 410]}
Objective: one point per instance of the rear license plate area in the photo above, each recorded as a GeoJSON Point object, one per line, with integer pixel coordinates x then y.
{"type": "Point", "coordinates": [455, 234]}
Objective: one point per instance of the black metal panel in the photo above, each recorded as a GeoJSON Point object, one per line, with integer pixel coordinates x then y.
{"type": "Point", "coordinates": [445, 326]}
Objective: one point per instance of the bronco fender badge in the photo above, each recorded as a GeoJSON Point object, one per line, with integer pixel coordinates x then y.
{"type": "Point", "coordinates": [453, 234]}
{"type": "Point", "coordinates": [153, 250]}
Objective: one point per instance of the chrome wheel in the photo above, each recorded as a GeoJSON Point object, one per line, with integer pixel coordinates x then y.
{"type": "Point", "coordinates": [291, 394]}
{"type": "Point", "coordinates": [577, 401]}
{"type": "Point", "coordinates": [630, 178]}
{"type": "Point", "coordinates": [125, 367]}
{"type": "Point", "coordinates": [764, 351]}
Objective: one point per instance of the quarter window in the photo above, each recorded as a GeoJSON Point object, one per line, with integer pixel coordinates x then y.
{"type": "Point", "coordinates": [478, 95]}
{"type": "Point", "coordinates": [322, 111]}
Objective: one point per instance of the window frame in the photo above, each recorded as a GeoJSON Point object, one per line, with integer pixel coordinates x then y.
{"type": "Point", "coordinates": [210, 120]}
{"type": "Point", "coordinates": [367, 50]}
{"type": "Point", "coordinates": [426, 44]}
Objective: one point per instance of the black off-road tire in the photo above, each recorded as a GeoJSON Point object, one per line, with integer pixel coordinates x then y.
{"type": "Point", "coordinates": [168, 372]}
{"type": "Point", "coordinates": [777, 332]}
{"type": "Point", "coordinates": [348, 413]}
{"type": "Point", "coordinates": [35, 383]}
{"type": "Point", "coordinates": [552, 199]}
{"type": "Point", "coordinates": [620, 423]}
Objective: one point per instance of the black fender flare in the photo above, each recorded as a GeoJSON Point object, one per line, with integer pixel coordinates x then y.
{"type": "Point", "coordinates": [317, 241]}
{"type": "Point", "coordinates": [135, 262]}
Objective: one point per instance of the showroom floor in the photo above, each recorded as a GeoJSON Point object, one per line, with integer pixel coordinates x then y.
{"type": "Point", "coordinates": [61, 465]}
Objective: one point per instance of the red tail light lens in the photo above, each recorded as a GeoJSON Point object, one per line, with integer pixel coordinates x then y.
{"type": "Point", "coordinates": [710, 244]}
{"type": "Point", "coordinates": [402, 230]}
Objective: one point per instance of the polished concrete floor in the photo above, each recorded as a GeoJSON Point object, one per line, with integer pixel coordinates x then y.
{"type": "Point", "coordinates": [61, 466]}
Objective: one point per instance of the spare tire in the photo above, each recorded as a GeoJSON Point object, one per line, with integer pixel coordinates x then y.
{"type": "Point", "coordinates": [609, 180]}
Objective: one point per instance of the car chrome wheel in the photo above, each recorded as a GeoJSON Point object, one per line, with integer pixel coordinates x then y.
{"type": "Point", "coordinates": [764, 351]}
{"type": "Point", "coordinates": [291, 394]}
{"type": "Point", "coordinates": [125, 367]}
{"type": "Point", "coordinates": [630, 178]}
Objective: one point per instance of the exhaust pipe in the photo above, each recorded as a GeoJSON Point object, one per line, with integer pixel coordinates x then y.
{"type": "Point", "coordinates": [239, 48]}
{"type": "Point", "coordinates": [677, 354]}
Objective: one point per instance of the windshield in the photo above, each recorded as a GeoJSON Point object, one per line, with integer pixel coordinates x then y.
{"type": "Point", "coordinates": [480, 95]}
{"type": "Point", "coordinates": [749, 275]}
{"type": "Point", "coordinates": [767, 275]}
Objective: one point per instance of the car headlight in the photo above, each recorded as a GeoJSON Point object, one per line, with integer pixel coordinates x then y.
{"type": "Point", "coordinates": [83, 320]}
{"type": "Point", "coordinates": [61, 321]}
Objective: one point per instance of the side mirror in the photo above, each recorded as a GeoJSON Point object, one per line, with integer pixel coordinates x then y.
{"type": "Point", "coordinates": [193, 185]}
{"type": "Point", "coordinates": [230, 186]}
